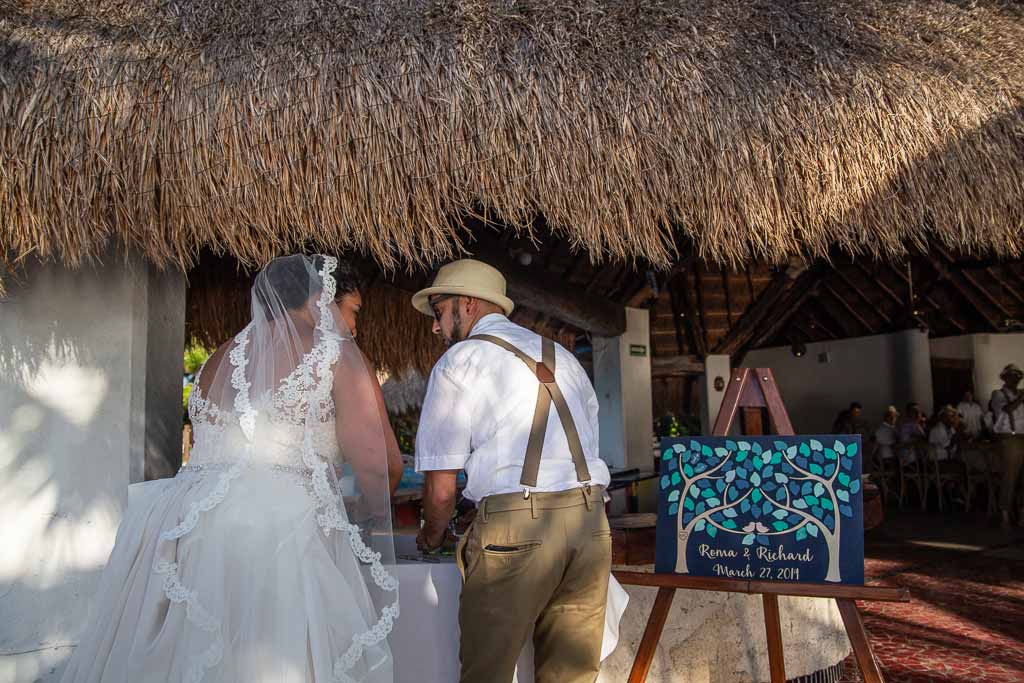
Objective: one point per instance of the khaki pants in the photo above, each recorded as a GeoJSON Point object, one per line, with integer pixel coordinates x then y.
{"type": "Point", "coordinates": [1010, 458]}
{"type": "Point", "coordinates": [542, 565]}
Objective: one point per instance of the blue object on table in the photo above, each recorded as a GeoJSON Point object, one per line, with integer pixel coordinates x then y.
{"type": "Point", "coordinates": [411, 479]}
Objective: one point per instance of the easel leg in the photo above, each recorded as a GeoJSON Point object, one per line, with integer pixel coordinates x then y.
{"type": "Point", "coordinates": [859, 640]}
{"type": "Point", "coordinates": [773, 629]}
{"type": "Point", "coordinates": [648, 644]}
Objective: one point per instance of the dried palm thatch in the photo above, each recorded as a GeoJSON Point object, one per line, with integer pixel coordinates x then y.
{"type": "Point", "coordinates": [751, 128]}
{"type": "Point", "coordinates": [394, 336]}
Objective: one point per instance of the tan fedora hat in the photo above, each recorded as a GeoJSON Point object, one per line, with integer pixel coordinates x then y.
{"type": "Point", "coordinates": [466, 277]}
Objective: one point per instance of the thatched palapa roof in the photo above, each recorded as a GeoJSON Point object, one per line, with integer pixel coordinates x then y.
{"type": "Point", "coordinates": [751, 128]}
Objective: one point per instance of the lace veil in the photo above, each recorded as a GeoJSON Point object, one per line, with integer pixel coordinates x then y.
{"type": "Point", "coordinates": [293, 395]}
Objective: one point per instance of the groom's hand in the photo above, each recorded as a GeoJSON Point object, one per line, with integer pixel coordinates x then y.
{"type": "Point", "coordinates": [429, 540]}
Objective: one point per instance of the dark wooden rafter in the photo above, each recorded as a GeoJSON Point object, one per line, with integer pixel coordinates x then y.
{"type": "Point", "coordinates": [805, 287]}
{"type": "Point", "coordinates": [674, 366]}
{"type": "Point", "coordinates": [757, 314]}
{"type": "Point", "coordinates": [798, 325]}
{"type": "Point", "coordinates": [1005, 286]}
{"type": "Point", "coordinates": [691, 320]}
{"type": "Point", "coordinates": [728, 296]}
{"type": "Point", "coordinates": [850, 310]}
{"type": "Point", "coordinates": [859, 293]}
{"type": "Point", "coordinates": [878, 282]}
{"type": "Point", "coordinates": [948, 276]}
{"type": "Point", "coordinates": [677, 315]}
{"type": "Point", "coordinates": [973, 281]}
{"type": "Point", "coordinates": [827, 321]}
{"type": "Point", "coordinates": [698, 286]}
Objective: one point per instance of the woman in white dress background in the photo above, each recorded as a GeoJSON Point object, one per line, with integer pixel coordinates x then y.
{"type": "Point", "coordinates": [256, 563]}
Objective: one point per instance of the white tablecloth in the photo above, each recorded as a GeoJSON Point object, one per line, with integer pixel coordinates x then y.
{"type": "Point", "coordinates": [425, 640]}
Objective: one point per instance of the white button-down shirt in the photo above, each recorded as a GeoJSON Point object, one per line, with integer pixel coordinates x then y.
{"type": "Point", "coordinates": [479, 408]}
{"type": "Point", "coordinates": [1006, 423]}
{"type": "Point", "coordinates": [941, 439]}
{"type": "Point", "coordinates": [887, 437]}
{"type": "Point", "coordinates": [972, 414]}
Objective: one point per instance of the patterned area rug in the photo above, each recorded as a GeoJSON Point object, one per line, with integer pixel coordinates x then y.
{"type": "Point", "coordinates": [966, 621]}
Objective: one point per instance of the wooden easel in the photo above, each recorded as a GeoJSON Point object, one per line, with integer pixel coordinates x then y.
{"type": "Point", "coordinates": [754, 392]}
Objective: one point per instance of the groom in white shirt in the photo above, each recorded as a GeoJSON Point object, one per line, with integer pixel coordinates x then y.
{"type": "Point", "coordinates": [518, 413]}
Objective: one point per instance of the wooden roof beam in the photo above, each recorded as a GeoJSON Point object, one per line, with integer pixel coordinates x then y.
{"type": "Point", "coordinates": [752, 320]}
{"type": "Point", "coordinates": [1007, 287]}
{"type": "Point", "coordinates": [816, 321]}
{"type": "Point", "coordinates": [676, 366]}
{"type": "Point", "coordinates": [698, 286]}
{"type": "Point", "coordinates": [863, 297]}
{"type": "Point", "coordinates": [691, 320]}
{"type": "Point", "coordinates": [850, 310]}
{"type": "Point", "coordinates": [805, 288]}
{"type": "Point", "coordinates": [947, 276]}
{"type": "Point", "coordinates": [676, 320]}
{"type": "Point", "coordinates": [959, 325]}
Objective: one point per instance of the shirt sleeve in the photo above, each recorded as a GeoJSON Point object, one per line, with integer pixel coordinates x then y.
{"type": "Point", "coordinates": [444, 435]}
{"type": "Point", "coordinates": [592, 407]}
{"type": "Point", "coordinates": [997, 403]}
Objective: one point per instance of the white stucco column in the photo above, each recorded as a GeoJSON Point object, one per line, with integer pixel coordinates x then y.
{"type": "Point", "coordinates": [90, 401]}
{"type": "Point", "coordinates": [711, 395]}
{"type": "Point", "coordinates": [622, 379]}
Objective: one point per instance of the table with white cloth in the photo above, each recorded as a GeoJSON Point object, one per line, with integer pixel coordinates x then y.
{"type": "Point", "coordinates": [709, 637]}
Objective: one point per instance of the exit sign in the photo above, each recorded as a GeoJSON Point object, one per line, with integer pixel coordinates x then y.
{"type": "Point", "coordinates": [637, 350]}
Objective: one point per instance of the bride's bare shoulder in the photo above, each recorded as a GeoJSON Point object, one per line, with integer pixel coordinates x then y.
{"type": "Point", "coordinates": [213, 363]}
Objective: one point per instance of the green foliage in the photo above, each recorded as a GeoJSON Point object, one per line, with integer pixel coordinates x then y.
{"type": "Point", "coordinates": [405, 431]}
{"type": "Point", "coordinates": [195, 355]}
{"type": "Point", "coordinates": [669, 425]}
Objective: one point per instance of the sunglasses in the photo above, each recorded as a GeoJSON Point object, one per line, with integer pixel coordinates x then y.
{"type": "Point", "coordinates": [439, 299]}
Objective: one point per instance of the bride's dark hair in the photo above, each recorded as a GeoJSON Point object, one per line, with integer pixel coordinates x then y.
{"type": "Point", "coordinates": [289, 279]}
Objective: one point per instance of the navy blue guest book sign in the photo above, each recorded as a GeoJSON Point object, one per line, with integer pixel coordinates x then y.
{"type": "Point", "coordinates": [778, 508]}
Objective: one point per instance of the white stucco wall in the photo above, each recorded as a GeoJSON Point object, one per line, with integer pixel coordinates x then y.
{"type": "Point", "coordinates": [73, 424]}
{"type": "Point", "coordinates": [876, 371]}
{"type": "Point", "coordinates": [711, 398]}
{"type": "Point", "coordinates": [623, 385]}
{"type": "Point", "coordinates": [990, 353]}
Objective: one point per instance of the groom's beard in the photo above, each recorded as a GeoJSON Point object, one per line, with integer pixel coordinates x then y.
{"type": "Point", "coordinates": [456, 335]}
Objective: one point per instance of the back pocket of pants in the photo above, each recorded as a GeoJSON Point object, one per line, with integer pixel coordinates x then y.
{"type": "Point", "coordinates": [510, 549]}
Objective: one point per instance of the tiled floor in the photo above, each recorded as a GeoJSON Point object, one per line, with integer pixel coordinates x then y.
{"type": "Point", "coordinates": [966, 621]}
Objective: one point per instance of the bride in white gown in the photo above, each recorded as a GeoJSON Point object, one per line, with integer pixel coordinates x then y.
{"type": "Point", "coordinates": [256, 563]}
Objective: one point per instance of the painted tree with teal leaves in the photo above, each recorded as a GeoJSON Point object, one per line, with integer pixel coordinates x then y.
{"type": "Point", "coordinates": [746, 490]}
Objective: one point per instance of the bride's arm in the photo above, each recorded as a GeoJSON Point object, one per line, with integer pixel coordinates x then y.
{"type": "Point", "coordinates": [395, 465]}
{"type": "Point", "coordinates": [364, 432]}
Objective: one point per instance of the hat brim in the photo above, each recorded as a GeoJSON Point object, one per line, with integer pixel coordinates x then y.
{"type": "Point", "coordinates": [421, 299]}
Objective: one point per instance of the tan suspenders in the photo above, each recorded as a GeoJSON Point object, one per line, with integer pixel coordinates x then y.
{"type": "Point", "coordinates": [547, 393]}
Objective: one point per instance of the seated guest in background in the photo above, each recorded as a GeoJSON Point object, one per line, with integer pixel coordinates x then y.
{"type": "Point", "coordinates": [971, 412]}
{"type": "Point", "coordinates": [911, 432]}
{"type": "Point", "coordinates": [1007, 406]}
{"type": "Point", "coordinates": [887, 435]}
{"type": "Point", "coordinates": [848, 421]}
{"type": "Point", "coordinates": [942, 436]}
